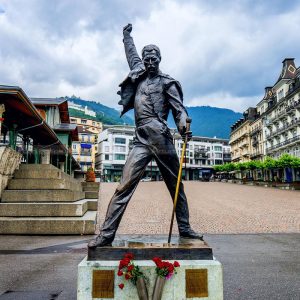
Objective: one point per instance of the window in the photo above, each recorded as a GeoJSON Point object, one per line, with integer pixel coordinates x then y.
{"type": "Point", "coordinates": [106, 149]}
{"type": "Point", "coordinates": [119, 156]}
{"type": "Point", "coordinates": [94, 123]}
{"type": "Point", "coordinates": [218, 148]}
{"type": "Point", "coordinates": [83, 121]}
{"type": "Point", "coordinates": [74, 146]}
{"type": "Point", "coordinates": [218, 155]}
{"type": "Point", "coordinates": [280, 94]}
{"type": "Point", "coordinates": [120, 140]}
{"type": "Point", "coordinates": [120, 149]}
{"type": "Point", "coordinates": [106, 157]}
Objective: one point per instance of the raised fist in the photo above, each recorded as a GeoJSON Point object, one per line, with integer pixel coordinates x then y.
{"type": "Point", "coordinates": [127, 29]}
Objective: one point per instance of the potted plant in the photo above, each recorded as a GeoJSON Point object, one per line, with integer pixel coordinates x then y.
{"type": "Point", "coordinates": [90, 175]}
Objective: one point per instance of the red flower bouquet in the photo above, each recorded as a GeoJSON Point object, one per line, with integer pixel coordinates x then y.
{"type": "Point", "coordinates": [164, 268]}
{"type": "Point", "coordinates": [129, 270]}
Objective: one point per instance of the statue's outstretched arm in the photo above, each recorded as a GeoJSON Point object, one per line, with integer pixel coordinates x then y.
{"type": "Point", "coordinates": [132, 56]}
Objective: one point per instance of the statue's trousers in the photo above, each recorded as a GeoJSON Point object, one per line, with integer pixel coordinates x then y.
{"type": "Point", "coordinates": [153, 140]}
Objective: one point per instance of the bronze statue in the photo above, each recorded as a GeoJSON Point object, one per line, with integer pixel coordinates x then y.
{"type": "Point", "coordinates": [152, 94]}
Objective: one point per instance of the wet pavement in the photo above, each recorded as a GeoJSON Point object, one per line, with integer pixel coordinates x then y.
{"type": "Point", "coordinates": [253, 231]}
{"type": "Point", "coordinates": [256, 266]}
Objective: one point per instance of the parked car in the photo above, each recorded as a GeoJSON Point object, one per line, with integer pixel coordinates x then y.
{"type": "Point", "coordinates": [146, 179]}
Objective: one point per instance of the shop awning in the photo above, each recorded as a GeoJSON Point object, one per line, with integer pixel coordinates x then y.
{"type": "Point", "coordinates": [86, 146]}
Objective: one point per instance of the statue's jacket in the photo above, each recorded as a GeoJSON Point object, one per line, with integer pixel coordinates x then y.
{"type": "Point", "coordinates": [166, 92]}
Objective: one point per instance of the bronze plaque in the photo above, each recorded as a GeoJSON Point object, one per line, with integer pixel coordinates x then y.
{"type": "Point", "coordinates": [103, 284]}
{"type": "Point", "coordinates": [196, 284]}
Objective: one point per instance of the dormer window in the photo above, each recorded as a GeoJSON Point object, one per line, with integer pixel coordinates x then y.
{"type": "Point", "coordinates": [280, 94]}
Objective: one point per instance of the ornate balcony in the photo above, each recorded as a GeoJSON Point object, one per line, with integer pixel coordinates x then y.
{"type": "Point", "coordinates": [282, 144]}
{"type": "Point", "coordinates": [256, 154]}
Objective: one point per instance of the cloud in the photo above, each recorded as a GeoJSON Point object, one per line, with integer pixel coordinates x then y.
{"type": "Point", "coordinates": [223, 52]}
{"type": "Point", "coordinates": [224, 100]}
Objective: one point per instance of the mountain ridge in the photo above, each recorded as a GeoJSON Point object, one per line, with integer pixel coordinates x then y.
{"type": "Point", "coordinates": [207, 121]}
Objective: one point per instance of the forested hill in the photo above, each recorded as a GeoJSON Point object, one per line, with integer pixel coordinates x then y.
{"type": "Point", "coordinates": [210, 121]}
{"type": "Point", "coordinates": [105, 114]}
{"type": "Point", "coordinates": [206, 121]}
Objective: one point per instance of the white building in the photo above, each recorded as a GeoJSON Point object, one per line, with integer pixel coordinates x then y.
{"type": "Point", "coordinates": [202, 154]}
{"type": "Point", "coordinates": [280, 111]}
{"type": "Point", "coordinates": [79, 107]}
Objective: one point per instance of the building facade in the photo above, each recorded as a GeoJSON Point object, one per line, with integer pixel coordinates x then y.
{"type": "Point", "coordinates": [256, 139]}
{"type": "Point", "coordinates": [202, 154]}
{"type": "Point", "coordinates": [240, 138]}
{"type": "Point", "coordinates": [282, 115]}
{"type": "Point", "coordinates": [85, 149]}
{"type": "Point", "coordinates": [55, 112]}
{"type": "Point", "coordinates": [114, 144]}
{"type": "Point", "coordinates": [275, 128]}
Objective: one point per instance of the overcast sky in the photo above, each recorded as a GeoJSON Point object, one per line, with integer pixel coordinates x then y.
{"type": "Point", "coordinates": [223, 52]}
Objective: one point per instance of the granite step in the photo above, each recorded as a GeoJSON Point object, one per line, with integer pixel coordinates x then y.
{"type": "Point", "coordinates": [74, 209]}
{"type": "Point", "coordinates": [93, 188]}
{"type": "Point", "coordinates": [12, 196]}
{"type": "Point", "coordinates": [92, 204]}
{"type": "Point", "coordinates": [91, 195]}
{"type": "Point", "coordinates": [90, 184]}
{"type": "Point", "coordinates": [32, 167]}
{"type": "Point", "coordinates": [49, 225]}
{"type": "Point", "coordinates": [38, 174]}
{"type": "Point", "coordinates": [42, 184]}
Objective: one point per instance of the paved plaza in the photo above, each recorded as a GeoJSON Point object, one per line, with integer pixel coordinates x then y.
{"type": "Point", "coordinates": [253, 231]}
{"type": "Point", "coordinates": [214, 208]}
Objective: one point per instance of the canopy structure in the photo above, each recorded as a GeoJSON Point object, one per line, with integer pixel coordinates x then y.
{"type": "Point", "coordinates": [21, 115]}
{"type": "Point", "coordinates": [22, 120]}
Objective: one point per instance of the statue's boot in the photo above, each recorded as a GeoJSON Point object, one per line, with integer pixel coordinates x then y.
{"type": "Point", "coordinates": [191, 234]}
{"type": "Point", "coordinates": [100, 241]}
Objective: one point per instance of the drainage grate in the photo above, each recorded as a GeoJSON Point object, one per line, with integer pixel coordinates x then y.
{"type": "Point", "coordinates": [30, 295]}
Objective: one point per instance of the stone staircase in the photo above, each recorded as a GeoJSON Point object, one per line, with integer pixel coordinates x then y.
{"type": "Point", "coordinates": [91, 189]}
{"type": "Point", "coordinates": [41, 199]}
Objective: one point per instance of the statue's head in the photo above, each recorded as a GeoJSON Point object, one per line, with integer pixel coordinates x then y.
{"type": "Point", "coordinates": [151, 58]}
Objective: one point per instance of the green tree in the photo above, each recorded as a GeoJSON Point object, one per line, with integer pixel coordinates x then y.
{"type": "Point", "coordinates": [218, 168]}
{"type": "Point", "coordinates": [229, 167]}
{"type": "Point", "coordinates": [269, 163]}
{"type": "Point", "coordinates": [288, 161]}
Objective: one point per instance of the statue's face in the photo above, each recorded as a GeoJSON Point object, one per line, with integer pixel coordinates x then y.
{"type": "Point", "coordinates": [151, 62]}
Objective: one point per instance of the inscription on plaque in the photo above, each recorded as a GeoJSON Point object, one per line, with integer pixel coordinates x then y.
{"type": "Point", "coordinates": [196, 283]}
{"type": "Point", "coordinates": [103, 284]}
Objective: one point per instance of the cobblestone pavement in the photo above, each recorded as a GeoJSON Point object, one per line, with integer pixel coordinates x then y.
{"type": "Point", "coordinates": [214, 208]}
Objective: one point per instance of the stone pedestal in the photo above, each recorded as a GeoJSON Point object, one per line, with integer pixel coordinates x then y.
{"type": "Point", "coordinates": [199, 276]}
